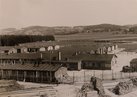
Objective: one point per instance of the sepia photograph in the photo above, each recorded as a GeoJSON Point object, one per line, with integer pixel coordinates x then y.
{"type": "Point", "coordinates": [68, 48]}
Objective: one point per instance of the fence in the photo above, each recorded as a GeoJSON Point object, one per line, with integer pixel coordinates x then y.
{"type": "Point", "coordinates": [85, 76]}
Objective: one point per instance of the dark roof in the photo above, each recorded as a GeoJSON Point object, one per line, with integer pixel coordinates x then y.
{"type": "Point", "coordinates": [133, 60]}
{"type": "Point", "coordinates": [61, 61]}
{"type": "Point", "coordinates": [41, 67]}
{"type": "Point", "coordinates": [20, 56]}
{"type": "Point", "coordinates": [4, 48]}
{"type": "Point", "coordinates": [93, 57]}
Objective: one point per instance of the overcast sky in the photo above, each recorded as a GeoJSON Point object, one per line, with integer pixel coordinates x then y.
{"type": "Point", "coordinates": [21, 13]}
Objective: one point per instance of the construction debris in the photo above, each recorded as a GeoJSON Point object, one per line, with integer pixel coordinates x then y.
{"type": "Point", "coordinates": [98, 86]}
{"type": "Point", "coordinates": [62, 76]}
{"type": "Point", "coordinates": [87, 87]}
{"type": "Point", "coordinates": [95, 87]}
{"type": "Point", "coordinates": [134, 81]}
{"type": "Point", "coordinates": [123, 87]}
{"type": "Point", "coordinates": [9, 85]}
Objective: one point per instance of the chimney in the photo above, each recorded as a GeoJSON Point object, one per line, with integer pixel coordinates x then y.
{"type": "Point", "coordinates": [59, 56]}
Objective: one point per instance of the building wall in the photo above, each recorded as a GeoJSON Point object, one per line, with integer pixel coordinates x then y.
{"type": "Point", "coordinates": [12, 51]}
{"type": "Point", "coordinates": [96, 65]}
{"type": "Point", "coordinates": [29, 76]}
{"type": "Point", "coordinates": [73, 66]}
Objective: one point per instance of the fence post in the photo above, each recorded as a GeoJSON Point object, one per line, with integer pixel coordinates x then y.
{"type": "Point", "coordinates": [94, 73]}
{"type": "Point", "coordinates": [84, 77]}
{"type": "Point", "coordinates": [112, 75]}
{"type": "Point", "coordinates": [129, 74]}
{"type": "Point", "coordinates": [121, 75]}
{"type": "Point", "coordinates": [73, 77]}
{"type": "Point", "coordinates": [102, 75]}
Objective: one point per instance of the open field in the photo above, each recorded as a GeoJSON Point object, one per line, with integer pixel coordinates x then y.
{"type": "Point", "coordinates": [94, 36]}
{"type": "Point", "coordinates": [129, 46]}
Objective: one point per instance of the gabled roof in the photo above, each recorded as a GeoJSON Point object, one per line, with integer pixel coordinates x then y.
{"type": "Point", "coordinates": [34, 56]}
{"type": "Point", "coordinates": [93, 57]}
{"type": "Point", "coordinates": [41, 67]}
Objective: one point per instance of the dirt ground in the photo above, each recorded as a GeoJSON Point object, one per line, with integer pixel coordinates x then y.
{"type": "Point", "coordinates": [62, 90]}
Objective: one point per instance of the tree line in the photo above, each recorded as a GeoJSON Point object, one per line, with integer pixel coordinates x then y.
{"type": "Point", "coordinates": [11, 40]}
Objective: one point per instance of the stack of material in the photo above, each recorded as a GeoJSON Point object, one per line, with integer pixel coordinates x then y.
{"type": "Point", "coordinates": [94, 87]}
{"type": "Point", "coordinates": [62, 76]}
{"type": "Point", "coordinates": [123, 87]}
{"type": "Point", "coordinates": [87, 87]}
{"type": "Point", "coordinates": [9, 85]}
{"type": "Point", "coordinates": [97, 85]}
{"type": "Point", "coordinates": [134, 81]}
{"type": "Point", "coordinates": [87, 93]}
{"type": "Point", "coordinates": [67, 79]}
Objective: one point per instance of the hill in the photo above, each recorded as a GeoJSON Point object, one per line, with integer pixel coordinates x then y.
{"type": "Point", "coordinates": [67, 30]}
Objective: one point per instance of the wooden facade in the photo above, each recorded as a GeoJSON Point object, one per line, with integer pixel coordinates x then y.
{"type": "Point", "coordinates": [96, 65]}
{"type": "Point", "coordinates": [71, 65]}
{"type": "Point", "coordinates": [96, 61]}
{"type": "Point", "coordinates": [42, 73]}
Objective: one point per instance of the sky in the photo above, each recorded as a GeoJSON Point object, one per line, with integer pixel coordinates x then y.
{"type": "Point", "coordinates": [22, 13]}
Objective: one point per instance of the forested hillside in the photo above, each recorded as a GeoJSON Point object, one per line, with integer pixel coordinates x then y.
{"type": "Point", "coordinates": [11, 40]}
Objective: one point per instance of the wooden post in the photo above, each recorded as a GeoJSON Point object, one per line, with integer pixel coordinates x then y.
{"type": "Point", "coordinates": [24, 76]}
{"type": "Point", "coordinates": [129, 74]}
{"type": "Point", "coordinates": [121, 75]}
{"type": "Point", "coordinates": [102, 75]}
{"type": "Point", "coordinates": [47, 76]}
{"type": "Point", "coordinates": [17, 75]}
{"type": "Point", "coordinates": [33, 76]}
{"type": "Point", "coordinates": [73, 77]}
{"type": "Point", "coordinates": [50, 76]}
{"type": "Point", "coordinates": [9, 74]}
{"type": "Point", "coordinates": [112, 75]}
{"type": "Point", "coordinates": [94, 73]}
{"type": "Point", "coordinates": [2, 75]}
{"type": "Point", "coordinates": [84, 77]}
{"type": "Point", "coordinates": [37, 75]}
{"type": "Point", "coordinates": [42, 77]}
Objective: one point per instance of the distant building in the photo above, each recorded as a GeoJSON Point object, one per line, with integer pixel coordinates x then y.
{"type": "Point", "coordinates": [96, 61]}
{"type": "Point", "coordinates": [105, 49]}
{"type": "Point", "coordinates": [5, 49]}
{"type": "Point", "coordinates": [42, 49]}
